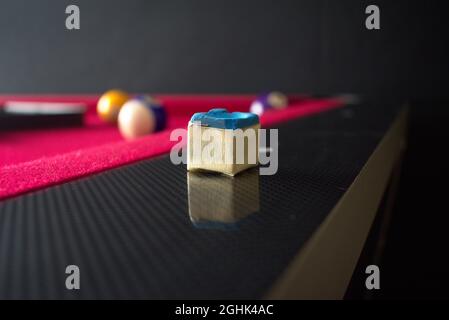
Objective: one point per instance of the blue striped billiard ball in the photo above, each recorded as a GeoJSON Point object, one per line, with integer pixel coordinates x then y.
{"type": "Point", "coordinates": [140, 116]}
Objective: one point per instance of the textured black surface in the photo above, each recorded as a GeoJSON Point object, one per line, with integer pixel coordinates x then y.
{"type": "Point", "coordinates": [130, 232]}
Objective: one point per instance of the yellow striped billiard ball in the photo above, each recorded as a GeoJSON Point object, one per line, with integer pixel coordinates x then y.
{"type": "Point", "coordinates": [110, 103]}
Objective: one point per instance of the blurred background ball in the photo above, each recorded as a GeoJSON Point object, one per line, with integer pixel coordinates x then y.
{"type": "Point", "coordinates": [277, 100]}
{"type": "Point", "coordinates": [267, 101]}
{"type": "Point", "coordinates": [110, 103]}
{"type": "Point", "coordinates": [140, 116]}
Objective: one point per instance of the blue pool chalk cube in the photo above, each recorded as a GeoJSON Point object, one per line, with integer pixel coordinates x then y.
{"type": "Point", "coordinates": [223, 142]}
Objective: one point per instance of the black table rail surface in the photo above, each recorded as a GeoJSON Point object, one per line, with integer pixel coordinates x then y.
{"type": "Point", "coordinates": [151, 230]}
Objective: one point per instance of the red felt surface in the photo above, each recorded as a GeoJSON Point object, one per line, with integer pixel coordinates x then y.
{"type": "Point", "coordinates": [33, 159]}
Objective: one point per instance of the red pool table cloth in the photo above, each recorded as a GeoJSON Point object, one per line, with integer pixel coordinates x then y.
{"type": "Point", "coordinates": [34, 159]}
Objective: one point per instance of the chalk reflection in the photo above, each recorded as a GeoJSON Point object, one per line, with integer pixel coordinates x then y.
{"type": "Point", "coordinates": [220, 202]}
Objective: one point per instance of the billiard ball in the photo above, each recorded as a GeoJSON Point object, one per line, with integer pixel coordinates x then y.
{"type": "Point", "coordinates": [140, 116]}
{"type": "Point", "coordinates": [109, 105]}
{"type": "Point", "coordinates": [267, 101]}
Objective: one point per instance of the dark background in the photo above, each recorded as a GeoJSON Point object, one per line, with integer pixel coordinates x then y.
{"type": "Point", "coordinates": [317, 46]}
{"type": "Point", "coordinates": [312, 46]}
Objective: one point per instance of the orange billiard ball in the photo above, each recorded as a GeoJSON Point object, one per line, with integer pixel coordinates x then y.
{"type": "Point", "coordinates": [110, 103]}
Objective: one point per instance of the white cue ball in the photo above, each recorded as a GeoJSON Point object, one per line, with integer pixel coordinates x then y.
{"type": "Point", "coordinates": [136, 119]}
{"type": "Point", "coordinates": [257, 108]}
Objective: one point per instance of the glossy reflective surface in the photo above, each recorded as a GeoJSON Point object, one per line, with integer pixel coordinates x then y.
{"type": "Point", "coordinates": [219, 201]}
